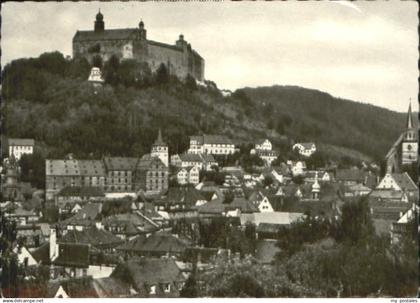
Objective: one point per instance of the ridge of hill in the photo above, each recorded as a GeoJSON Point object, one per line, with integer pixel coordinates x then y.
{"type": "Point", "coordinates": [49, 99]}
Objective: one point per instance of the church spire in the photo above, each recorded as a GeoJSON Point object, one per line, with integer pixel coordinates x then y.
{"type": "Point", "coordinates": [409, 117]}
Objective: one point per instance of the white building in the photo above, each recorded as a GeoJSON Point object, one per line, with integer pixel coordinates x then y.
{"type": "Point", "coordinates": [211, 144]}
{"type": "Point", "coordinates": [18, 147]}
{"type": "Point", "coordinates": [264, 145]}
{"type": "Point", "coordinates": [95, 76]}
{"type": "Point", "coordinates": [188, 175]}
{"type": "Point", "coordinates": [202, 161]}
{"type": "Point", "coordinates": [398, 182]}
{"type": "Point", "coordinates": [297, 168]}
{"type": "Point", "coordinates": [160, 150]}
{"type": "Point", "coordinates": [306, 149]}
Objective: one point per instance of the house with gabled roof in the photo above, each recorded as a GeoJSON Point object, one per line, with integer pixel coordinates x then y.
{"type": "Point", "coordinates": [156, 245]}
{"type": "Point", "coordinates": [398, 182]}
{"type": "Point", "coordinates": [87, 217]}
{"type": "Point", "coordinates": [128, 225]}
{"type": "Point", "coordinates": [151, 277]}
{"type": "Point", "coordinates": [306, 149]}
{"type": "Point", "coordinates": [211, 144]}
{"type": "Point", "coordinates": [19, 147]}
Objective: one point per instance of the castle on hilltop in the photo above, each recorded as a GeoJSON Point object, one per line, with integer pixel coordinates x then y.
{"type": "Point", "coordinates": [132, 43]}
{"type": "Point", "coordinates": [404, 150]}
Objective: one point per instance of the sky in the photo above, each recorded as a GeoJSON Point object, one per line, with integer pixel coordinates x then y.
{"type": "Point", "coordinates": [363, 51]}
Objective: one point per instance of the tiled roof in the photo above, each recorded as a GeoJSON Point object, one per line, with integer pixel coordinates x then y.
{"type": "Point", "coordinates": [207, 157]}
{"type": "Point", "coordinates": [120, 163]}
{"type": "Point", "coordinates": [244, 205]}
{"type": "Point", "coordinates": [86, 216]}
{"type": "Point", "coordinates": [109, 34]}
{"type": "Point", "coordinates": [278, 218]}
{"type": "Point", "coordinates": [111, 288]}
{"type": "Point", "coordinates": [190, 158]}
{"type": "Point", "coordinates": [42, 254]}
{"type": "Point", "coordinates": [148, 271]}
{"type": "Point", "coordinates": [132, 223]}
{"type": "Point", "coordinates": [211, 139]}
{"type": "Point", "coordinates": [188, 196]}
{"type": "Point", "coordinates": [91, 236]}
{"type": "Point", "coordinates": [356, 175]}
{"type": "Point", "coordinates": [62, 167]}
{"type": "Point", "coordinates": [405, 182]}
{"type": "Point", "coordinates": [160, 242]}
{"type": "Point", "coordinates": [20, 142]}
{"type": "Point", "coordinates": [71, 254]}
{"type": "Point", "coordinates": [82, 191]}
{"type": "Point", "coordinates": [74, 168]}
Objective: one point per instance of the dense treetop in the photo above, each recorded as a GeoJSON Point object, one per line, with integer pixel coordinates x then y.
{"type": "Point", "coordinates": [49, 99]}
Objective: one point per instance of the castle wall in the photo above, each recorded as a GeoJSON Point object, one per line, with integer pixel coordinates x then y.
{"type": "Point", "coordinates": [175, 58]}
{"type": "Point", "coordinates": [119, 48]}
{"type": "Point", "coordinates": [181, 60]}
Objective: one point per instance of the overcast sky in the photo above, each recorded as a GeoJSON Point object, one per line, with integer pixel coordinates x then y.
{"type": "Point", "coordinates": [364, 51]}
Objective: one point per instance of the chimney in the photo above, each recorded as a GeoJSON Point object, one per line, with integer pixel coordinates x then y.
{"type": "Point", "coordinates": [53, 244]}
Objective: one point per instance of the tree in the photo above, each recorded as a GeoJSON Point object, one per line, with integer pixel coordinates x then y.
{"type": "Point", "coordinates": [33, 169]}
{"type": "Point", "coordinates": [268, 180]}
{"type": "Point", "coordinates": [162, 74]}
{"type": "Point", "coordinates": [97, 61]}
{"type": "Point", "coordinates": [8, 260]}
{"type": "Point", "coordinates": [355, 225]}
{"type": "Point", "coordinates": [190, 288]}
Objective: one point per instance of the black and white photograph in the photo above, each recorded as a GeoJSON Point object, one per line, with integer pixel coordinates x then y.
{"type": "Point", "coordinates": [209, 149]}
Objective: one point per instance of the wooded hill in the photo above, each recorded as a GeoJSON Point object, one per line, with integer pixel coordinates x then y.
{"type": "Point", "coordinates": [49, 99]}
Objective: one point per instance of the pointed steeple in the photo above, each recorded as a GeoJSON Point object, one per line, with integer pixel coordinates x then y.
{"type": "Point", "coordinates": [159, 140]}
{"type": "Point", "coordinates": [409, 117]}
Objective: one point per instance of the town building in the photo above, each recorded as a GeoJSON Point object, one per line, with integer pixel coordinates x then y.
{"type": "Point", "coordinates": [188, 175]}
{"type": "Point", "coordinates": [398, 182]}
{"type": "Point", "coordinates": [202, 161]}
{"type": "Point", "coordinates": [95, 77]}
{"type": "Point", "coordinates": [404, 150]}
{"type": "Point", "coordinates": [305, 149]}
{"type": "Point", "coordinates": [18, 147]}
{"type": "Point", "coordinates": [264, 144]}
{"type": "Point", "coordinates": [160, 149]}
{"type": "Point", "coordinates": [119, 173]}
{"type": "Point", "coordinates": [101, 44]}
{"type": "Point", "coordinates": [211, 144]}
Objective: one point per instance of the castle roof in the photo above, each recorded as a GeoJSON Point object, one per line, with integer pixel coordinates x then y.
{"type": "Point", "coordinates": [118, 34]}
{"type": "Point", "coordinates": [109, 34]}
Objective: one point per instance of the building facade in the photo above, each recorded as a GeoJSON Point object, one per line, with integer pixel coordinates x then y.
{"type": "Point", "coordinates": [18, 147]}
{"type": "Point", "coordinates": [132, 43]}
{"type": "Point", "coordinates": [404, 150]}
{"type": "Point", "coordinates": [211, 144]}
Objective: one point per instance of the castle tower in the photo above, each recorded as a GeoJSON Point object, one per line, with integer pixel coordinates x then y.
{"type": "Point", "coordinates": [409, 144]}
{"type": "Point", "coordinates": [160, 149]}
{"type": "Point", "coordinates": [99, 23]}
{"type": "Point", "coordinates": [142, 31]}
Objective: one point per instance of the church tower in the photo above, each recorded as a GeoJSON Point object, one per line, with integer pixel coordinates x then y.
{"type": "Point", "coordinates": [160, 150]}
{"type": "Point", "coordinates": [409, 143]}
{"type": "Point", "coordinates": [99, 23]}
